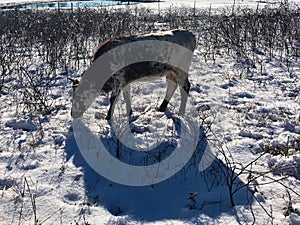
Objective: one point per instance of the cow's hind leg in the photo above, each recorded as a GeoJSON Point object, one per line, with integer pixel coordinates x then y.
{"type": "Point", "coordinates": [126, 95]}
{"type": "Point", "coordinates": [184, 91]}
{"type": "Point", "coordinates": [171, 87]}
{"type": "Point", "coordinates": [111, 106]}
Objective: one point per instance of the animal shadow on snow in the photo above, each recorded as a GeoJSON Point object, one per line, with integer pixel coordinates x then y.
{"type": "Point", "coordinates": [185, 195]}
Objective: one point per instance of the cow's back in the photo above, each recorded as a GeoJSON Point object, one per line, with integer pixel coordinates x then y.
{"type": "Point", "coordinates": [180, 37]}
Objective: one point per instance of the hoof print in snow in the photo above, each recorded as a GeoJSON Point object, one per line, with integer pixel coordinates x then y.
{"type": "Point", "coordinates": [228, 85]}
{"type": "Point", "coordinates": [243, 95]}
{"type": "Point", "coordinates": [203, 108]}
{"type": "Point", "coordinates": [247, 134]}
{"type": "Point", "coordinates": [6, 184]}
{"type": "Point", "coordinates": [288, 126]}
{"type": "Point", "coordinates": [196, 88]}
{"type": "Point", "coordinates": [26, 125]}
{"type": "Point", "coordinates": [139, 129]}
{"type": "Point", "coordinates": [30, 166]}
{"type": "Point", "coordinates": [72, 197]}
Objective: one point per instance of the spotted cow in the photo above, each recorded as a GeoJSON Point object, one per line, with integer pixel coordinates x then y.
{"type": "Point", "coordinates": [147, 69]}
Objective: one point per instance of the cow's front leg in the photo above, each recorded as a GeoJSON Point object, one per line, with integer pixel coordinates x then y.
{"type": "Point", "coordinates": [126, 95]}
{"type": "Point", "coordinates": [171, 87]}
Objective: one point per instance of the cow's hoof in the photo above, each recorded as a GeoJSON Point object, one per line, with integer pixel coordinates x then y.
{"type": "Point", "coordinates": [163, 106]}
{"type": "Point", "coordinates": [160, 109]}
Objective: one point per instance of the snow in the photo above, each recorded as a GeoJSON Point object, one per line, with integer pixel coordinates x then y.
{"type": "Point", "coordinates": [163, 3]}
{"type": "Point", "coordinates": [45, 177]}
{"type": "Point", "coordinates": [166, 3]}
{"type": "Point", "coordinates": [198, 3]}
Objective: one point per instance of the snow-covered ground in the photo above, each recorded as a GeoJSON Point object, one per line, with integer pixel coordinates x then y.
{"type": "Point", "coordinates": [168, 3]}
{"type": "Point", "coordinates": [199, 3]}
{"type": "Point", "coordinates": [163, 3]}
{"type": "Point", "coordinates": [44, 177]}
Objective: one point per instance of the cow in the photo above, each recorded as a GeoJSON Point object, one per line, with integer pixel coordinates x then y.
{"type": "Point", "coordinates": [142, 70]}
